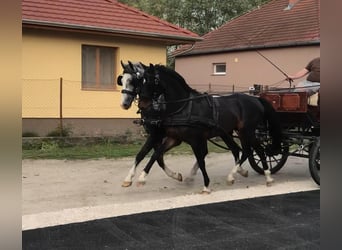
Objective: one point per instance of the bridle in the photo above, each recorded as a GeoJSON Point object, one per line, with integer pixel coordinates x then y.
{"type": "Point", "coordinates": [136, 76]}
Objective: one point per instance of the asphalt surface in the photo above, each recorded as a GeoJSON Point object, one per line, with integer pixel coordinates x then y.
{"type": "Point", "coordinates": [288, 221]}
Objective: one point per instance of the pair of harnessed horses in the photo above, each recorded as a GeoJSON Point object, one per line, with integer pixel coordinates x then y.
{"type": "Point", "coordinates": [172, 112]}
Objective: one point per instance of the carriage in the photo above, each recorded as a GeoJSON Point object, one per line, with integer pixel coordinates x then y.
{"type": "Point", "coordinates": [300, 122]}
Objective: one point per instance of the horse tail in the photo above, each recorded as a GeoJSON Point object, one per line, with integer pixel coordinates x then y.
{"type": "Point", "coordinates": [272, 123]}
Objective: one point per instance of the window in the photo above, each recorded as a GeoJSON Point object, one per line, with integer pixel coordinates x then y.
{"type": "Point", "coordinates": [98, 67]}
{"type": "Point", "coordinates": [219, 68]}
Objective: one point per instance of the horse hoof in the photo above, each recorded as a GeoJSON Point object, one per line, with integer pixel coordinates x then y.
{"type": "Point", "coordinates": [205, 191]}
{"type": "Point", "coordinates": [180, 177]}
{"type": "Point", "coordinates": [126, 184]}
{"type": "Point", "coordinates": [269, 183]}
{"type": "Point", "coordinates": [230, 182]}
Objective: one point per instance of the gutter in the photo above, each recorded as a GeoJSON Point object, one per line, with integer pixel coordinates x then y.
{"type": "Point", "coordinates": [110, 30]}
{"type": "Point", "coordinates": [246, 48]}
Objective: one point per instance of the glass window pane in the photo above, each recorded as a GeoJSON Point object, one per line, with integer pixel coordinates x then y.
{"type": "Point", "coordinates": [107, 67]}
{"type": "Point", "coordinates": [88, 66]}
{"type": "Point", "coordinates": [220, 68]}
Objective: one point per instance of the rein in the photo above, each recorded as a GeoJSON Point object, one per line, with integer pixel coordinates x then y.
{"type": "Point", "coordinates": [186, 99]}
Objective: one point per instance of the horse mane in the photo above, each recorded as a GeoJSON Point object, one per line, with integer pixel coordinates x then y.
{"type": "Point", "coordinates": [176, 75]}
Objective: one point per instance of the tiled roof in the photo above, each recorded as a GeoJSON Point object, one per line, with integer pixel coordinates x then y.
{"type": "Point", "coordinates": [108, 16]}
{"type": "Point", "coordinates": [268, 26]}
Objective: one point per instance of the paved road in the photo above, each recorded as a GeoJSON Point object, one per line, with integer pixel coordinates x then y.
{"type": "Point", "coordinates": [288, 221]}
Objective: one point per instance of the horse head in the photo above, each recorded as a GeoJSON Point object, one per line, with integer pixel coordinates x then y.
{"type": "Point", "coordinates": [151, 87]}
{"type": "Point", "coordinates": [130, 80]}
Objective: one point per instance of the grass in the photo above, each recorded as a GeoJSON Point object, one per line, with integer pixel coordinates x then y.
{"type": "Point", "coordinates": [105, 150]}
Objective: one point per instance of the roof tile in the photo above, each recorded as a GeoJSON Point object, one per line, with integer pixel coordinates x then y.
{"type": "Point", "coordinates": [105, 15]}
{"type": "Point", "coordinates": [267, 26]}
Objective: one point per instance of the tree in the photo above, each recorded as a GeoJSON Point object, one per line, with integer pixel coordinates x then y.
{"type": "Point", "coordinates": [199, 16]}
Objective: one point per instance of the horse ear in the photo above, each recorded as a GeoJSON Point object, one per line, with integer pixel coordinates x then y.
{"type": "Point", "coordinates": [131, 65]}
{"type": "Point", "coordinates": [143, 65]}
{"type": "Point", "coordinates": [122, 64]}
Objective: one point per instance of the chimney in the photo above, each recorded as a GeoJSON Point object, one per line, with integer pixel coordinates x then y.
{"type": "Point", "coordinates": [291, 4]}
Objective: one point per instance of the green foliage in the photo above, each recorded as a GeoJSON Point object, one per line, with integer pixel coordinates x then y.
{"type": "Point", "coordinates": [198, 16]}
{"type": "Point", "coordinates": [50, 146]}
{"type": "Point", "coordinates": [51, 150]}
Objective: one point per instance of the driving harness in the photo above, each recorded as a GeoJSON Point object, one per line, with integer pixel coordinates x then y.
{"type": "Point", "coordinates": [197, 111]}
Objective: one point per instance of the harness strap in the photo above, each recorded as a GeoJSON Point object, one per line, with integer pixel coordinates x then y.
{"type": "Point", "coordinates": [129, 92]}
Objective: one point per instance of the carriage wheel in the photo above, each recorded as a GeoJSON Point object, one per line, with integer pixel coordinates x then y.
{"type": "Point", "coordinates": [315, 161]}
{"type": "Point", "coordinates": [275, 162]}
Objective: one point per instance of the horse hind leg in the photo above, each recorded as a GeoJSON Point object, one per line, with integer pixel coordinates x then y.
{"type": "Point", "coordinates": [261, 153]}
{"type": "Point", "coordinates": [236, 169]}
{"type": "Point", "coordinates": [235, 149]}
{"type": "Point", "coordinates": [192, 174]}
{"type": "Point", "coordinates": [158, 155]}
{"type": "Point", "coordinates": [246, 151]}
{"type": "Point", "coordinates": [169, 172]}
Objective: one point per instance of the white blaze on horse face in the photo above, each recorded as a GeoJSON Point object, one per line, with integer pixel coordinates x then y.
{"type": "Point", "coordinates": [127, 99]}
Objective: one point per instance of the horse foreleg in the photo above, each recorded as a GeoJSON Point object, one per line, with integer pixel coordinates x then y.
{"type": "Point", "coordinates": [148, 145]}
{"type": "Point", "coordinates": [200, 149]}
{"type": "Point", "coordinates": [129, 178]}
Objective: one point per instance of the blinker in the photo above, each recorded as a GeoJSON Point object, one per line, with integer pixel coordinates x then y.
{"type": "Point", "coordinates": [119, 80]}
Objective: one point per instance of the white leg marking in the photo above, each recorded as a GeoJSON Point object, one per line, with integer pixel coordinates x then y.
{"type": "Point", "coordinates": [128, 180]}
{"type": "Point", "coordinates": [142, 177]}
{"type": "Point", "coordinates": [169, 172]}
{"type": "Point", "coordinates": [174, 175]}
{"type": "Point", "coordinates": [131, 174]}
{"type": "Point", "coordinates": [242, 171]}
{"type": "Point", "coordinates": [269, 179]}
{"type": "Point", "coordinates": [230, 177]}
{"type": "Point", "coordinates": [206, 190]}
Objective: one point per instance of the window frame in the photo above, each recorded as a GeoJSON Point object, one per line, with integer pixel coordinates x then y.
{"type": "Point", "coordinates": [98, 85]}
{"type": "Point", "coordinates": [217, 73]}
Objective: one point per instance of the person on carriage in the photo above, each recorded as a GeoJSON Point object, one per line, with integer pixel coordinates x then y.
{"type": "Point", "coordinates": [312, 81]}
